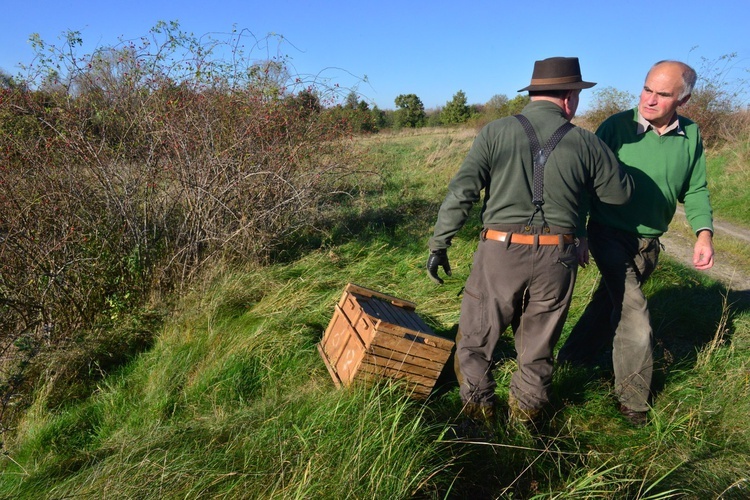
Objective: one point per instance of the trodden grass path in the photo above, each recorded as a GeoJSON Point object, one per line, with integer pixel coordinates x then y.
{"type": "Point", "coordinates": [729, 267]}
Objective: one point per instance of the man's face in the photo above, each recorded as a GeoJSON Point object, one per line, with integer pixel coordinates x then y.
{"type": "Point", "coordinates": [659, 97]}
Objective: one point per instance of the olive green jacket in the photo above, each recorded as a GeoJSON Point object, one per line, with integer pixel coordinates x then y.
{"type": "Point", "coordinates": [499, 166]}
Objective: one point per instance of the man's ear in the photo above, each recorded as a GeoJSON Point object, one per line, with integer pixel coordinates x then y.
{"type": "Point", "coordinates": [569, 111]}
{"type": "Point", "coordinates": [684, 100]}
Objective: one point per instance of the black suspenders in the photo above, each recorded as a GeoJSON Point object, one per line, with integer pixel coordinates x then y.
{"type": "Point", "coordinates": [540, 156]}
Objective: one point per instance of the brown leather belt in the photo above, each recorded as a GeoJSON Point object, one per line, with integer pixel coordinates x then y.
{"type": "Point", "coordinates": [528, 239]}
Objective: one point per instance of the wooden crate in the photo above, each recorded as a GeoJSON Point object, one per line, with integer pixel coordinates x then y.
{"type": "Point", "coordinates": [373, 335]}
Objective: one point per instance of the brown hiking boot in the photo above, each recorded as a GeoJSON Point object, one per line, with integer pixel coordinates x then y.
{"type": "Point", "coordinates": [530, 418]}
{"type": "Point", "coordinates": [635, 418]}
{"type": "Point", "coordinates": [481, 412]}
{"type": "Point", "coordinates": [478, 422]}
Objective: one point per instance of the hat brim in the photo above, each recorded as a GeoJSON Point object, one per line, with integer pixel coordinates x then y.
{"type": "Point", "coordinates": [560, 86]}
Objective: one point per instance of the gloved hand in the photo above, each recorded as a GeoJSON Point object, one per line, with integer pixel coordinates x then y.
{"type": "Point", "coordinates": [436, 259]}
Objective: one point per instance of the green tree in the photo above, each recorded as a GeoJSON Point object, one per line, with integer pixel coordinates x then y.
{"type": "Point", "coordinates": [434, 117]}
{"type": "Point", "coordinates": [517, 104]}
{"type": "Point", "coordinates": [607, 101]}
{"type": "Point", "coordinates": [352, 101]}
{"type": "Point", "coordinates": [410, 112]}
{"type": "Point", "coordinates": [456, 110]}
{"type": "Point", "coordinates": [6, 80]}
{"type": "Point", "coordinates": [353, 116]}
{"type": "Point", "coordinates": [308, 101]}
{"type": "Point", "coordinates": [379, 118]}
{"type": "Point", "coordinates": [497, 106]}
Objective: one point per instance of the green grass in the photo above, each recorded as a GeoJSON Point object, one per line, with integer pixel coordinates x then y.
{"type": "Point", "coordinates": [728, 177]}
{"type": "Point", "coordinates": [233, 400]}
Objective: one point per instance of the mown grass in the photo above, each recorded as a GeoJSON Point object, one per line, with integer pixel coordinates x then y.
{"type": "Point", "coordinates": [233, 400]}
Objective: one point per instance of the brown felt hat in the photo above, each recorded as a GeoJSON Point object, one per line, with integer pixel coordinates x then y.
{"type": "Point", "coordinates": [557, 73]}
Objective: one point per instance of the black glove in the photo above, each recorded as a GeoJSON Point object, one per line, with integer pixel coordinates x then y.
{"type": "Point", "coordinates": [436, 259]}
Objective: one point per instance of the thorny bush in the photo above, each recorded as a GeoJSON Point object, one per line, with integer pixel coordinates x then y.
{"type": "Point", "coordinates": [123, 172]}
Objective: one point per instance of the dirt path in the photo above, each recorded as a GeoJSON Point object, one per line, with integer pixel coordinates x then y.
{"type": "Point", "coordinates": [727, 270]}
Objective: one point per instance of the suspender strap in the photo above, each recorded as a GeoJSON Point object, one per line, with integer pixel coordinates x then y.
{"type": "Point", "coordinates": [540, 156]}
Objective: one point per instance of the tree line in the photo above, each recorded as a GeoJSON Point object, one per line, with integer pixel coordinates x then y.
{"type": "Point", "coordinates": [716, 97]}
{"type": "Point", "coordinates": [410, 112]}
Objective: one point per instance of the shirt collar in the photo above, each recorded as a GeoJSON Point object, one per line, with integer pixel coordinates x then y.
{"type": "Point", "coordinates": [543, 104]}
{"type": "Point", "coordinates": [643, 125]}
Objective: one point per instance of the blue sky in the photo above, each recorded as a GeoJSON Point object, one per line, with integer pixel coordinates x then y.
{"type": "Point", "coordinates": [429, 48]}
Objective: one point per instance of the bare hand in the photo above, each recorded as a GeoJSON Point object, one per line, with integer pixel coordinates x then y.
{"type": "Point", "coordinates": [703, 253]}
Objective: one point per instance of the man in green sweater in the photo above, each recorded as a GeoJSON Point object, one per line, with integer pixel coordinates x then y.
{"type": "Point", "coordinates": [663, 152]}
{"type": "Point", "coordinates": [526, 261]}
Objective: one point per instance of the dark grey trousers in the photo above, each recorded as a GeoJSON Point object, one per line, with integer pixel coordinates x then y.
{"type": "Point", "coordinates": [617, 316]}
{"type": "Point", "coordinates": [529, 288]}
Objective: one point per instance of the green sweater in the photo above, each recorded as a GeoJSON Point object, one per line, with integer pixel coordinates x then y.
{"type": "Point", "coordinates": [666, 169]}
{"type": "Point", "coordinates": [500, 164]}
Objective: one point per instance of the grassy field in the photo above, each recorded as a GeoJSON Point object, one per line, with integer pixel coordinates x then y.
{"type": "Point", "coordinates": [234, 401]}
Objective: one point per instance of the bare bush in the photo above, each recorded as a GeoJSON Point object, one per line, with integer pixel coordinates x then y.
{"type": "Point", "coordinates": [717, 96]}
{"type": "Point", "coordinates": [123, 172]}
{"type": "Point", "coordinates": [606, 102]}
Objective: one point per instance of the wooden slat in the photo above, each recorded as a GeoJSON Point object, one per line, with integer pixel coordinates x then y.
{"type": "Point", "coordinates": [374, 364]}
{"type": "Point", "coordinates": [406, 358]}
{"type": "Point", "coordinates": [402, 366]}
{"type": "Point", "coordinates": [385, 311]}
{"type": "Point", "coordinates": [366, 329]}
{"type": "Point", "coordinates": [349, 362]}
{"type": "Point", "coordinates": [369, 329]}
{"type": "Point", "coordinates": [331, 371]}
{"type": "Point", "coordinates": [337, 333]}
{"type": "Point", "coordinates": [392, 373]}
{"type": "Point", "coordinates": [436, 341]}
{"type": "Point", "coordinates": [350, 305]}
{"type": "Point", "coordinates": [400, 343]}
{"type": "Point", "coordinates": [372, 293]}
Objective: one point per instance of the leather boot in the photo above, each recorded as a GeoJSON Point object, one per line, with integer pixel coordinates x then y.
{"type": "Point", "coordinates": [478, 422]}
{"type": "Point", "coordinates": [530, 418]}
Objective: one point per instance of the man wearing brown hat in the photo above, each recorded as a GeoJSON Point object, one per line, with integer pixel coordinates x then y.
{"type": "Point", "coordinates": [526, 261]}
